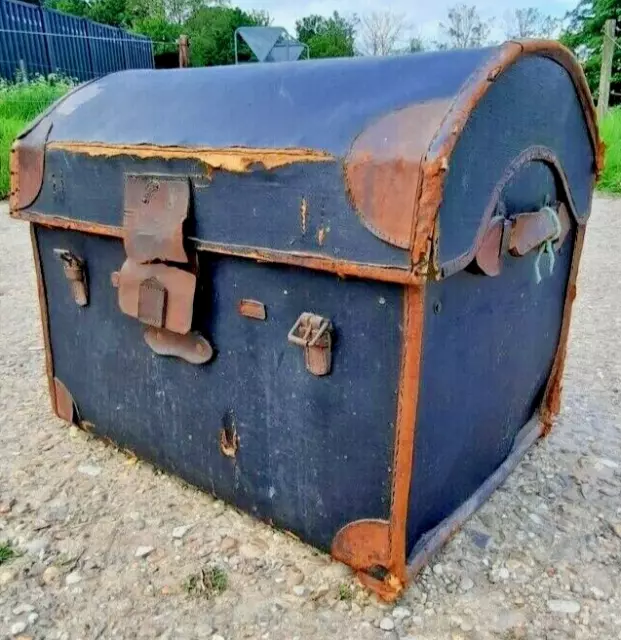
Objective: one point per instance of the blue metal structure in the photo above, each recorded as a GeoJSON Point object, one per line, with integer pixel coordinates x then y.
{"type": "Point", "coordinates": [42, 41]}
{"type": "Point", "coordinates": [270, 44]}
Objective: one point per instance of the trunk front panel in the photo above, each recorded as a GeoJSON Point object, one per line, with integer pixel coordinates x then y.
{"type": "Point", "coordinates": [314, 454]}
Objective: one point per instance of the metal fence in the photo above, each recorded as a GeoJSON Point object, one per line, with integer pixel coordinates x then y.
{"type": "Point", "coordinates": [38, 41]}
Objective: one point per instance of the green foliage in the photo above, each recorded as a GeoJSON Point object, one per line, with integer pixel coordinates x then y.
{"type": "Point", "coordinates": [212, 31]}
{"type": "Point", "coordinates": [19, 105]}
{"type": "Point", "coordinates": [345, 592]}
{"type": "Point", "coordinates": [161, 31]}
{"type": "Point", "coordinates": [211, 581]}
{"type": "Point", "coordinates": [331, 37]}
{"type": "Point", "coordinates": [6, 552]}
{"type": "Point", "coordinates": [585, 37]}
{"type": "Point", "coordinates": [611, 133]}
{"type": "Point", "coordinates": [78, 8]}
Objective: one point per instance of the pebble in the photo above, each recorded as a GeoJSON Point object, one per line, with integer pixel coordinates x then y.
{"type": "Point", "coordinates": [18, 627]}
{"type": "Point", "coordinates": [387, 624]}
{"type": "Point", "coordinates": [73, 578]}
{"type": "Point", "coordinates": [466, 584]}
{"type": "Point", "coordinates": [6, 577]}
{"type": "Point", "coordinates": [253, 551]}
{"type": "Point", "coordinates": [299, 590]}
{"type": "Point", "coordinates": [22, 608]}
{"type": "Point", "coordinates": [228, 544]}
{"type": "Point", "coordinates": [438, 569]}
{"type": "Point", "coordinates": [143, 552]}
{"type": "Point", "coordinates": [178, 533]}
{"type": "Point", "coordinates": [617, 529]}
{"type": "Point", "coordinates": [36, 546]}
{"type": "Point", "coordinates": [400, 613]}
{"type": "Point", "coordinates": [89, 470]}
{"type": "Point", "coordinates": [295, 577]}
{"type": "Point", "coordinates": [564, 606]}
{"type": "Point", "coordinates": [217, 637]}
{"type": "Point", "coordinates": [50, 575]}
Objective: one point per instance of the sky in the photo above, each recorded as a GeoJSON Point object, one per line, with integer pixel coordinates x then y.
{"type": "Point", "coordinates": [422, 15]}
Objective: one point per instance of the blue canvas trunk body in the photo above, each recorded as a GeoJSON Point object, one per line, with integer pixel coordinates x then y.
{"type": "Point", "coordinates": [335, 294]}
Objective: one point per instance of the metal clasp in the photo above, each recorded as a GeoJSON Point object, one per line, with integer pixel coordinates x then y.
{"type": "Point", "coordinates": [75, 272]}
{"type": "Point", "coordinates": [313, 334]}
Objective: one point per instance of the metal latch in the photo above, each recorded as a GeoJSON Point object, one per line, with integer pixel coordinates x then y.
{"type": "Point", "coordinates": [75, 272]}
{"type": "Point", "coordinates": [313, 334]}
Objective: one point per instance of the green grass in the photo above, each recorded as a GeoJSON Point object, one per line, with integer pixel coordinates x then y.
{"type": "Point", "coordinates": [20, 103]}
{"type": "Point", "coordinates": [611, 133]}
{"type": "Point", "coordinates": [211, 581]}
{"type": "Point", "coordinates": [6, 552]}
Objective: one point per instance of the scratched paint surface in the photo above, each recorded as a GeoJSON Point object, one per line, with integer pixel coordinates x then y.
{"type": "Point", "coordinates": [304, 441]}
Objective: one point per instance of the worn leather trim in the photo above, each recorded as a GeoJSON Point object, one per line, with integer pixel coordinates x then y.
{"type": "Point", "coordinates": [537, 153]}
{"type": "Point", "coordinates": [438, 157]}
{"type": "Point", "coordinates": [551, 404]}
{"type": "Point", "coordinates": [382, 169]}
{"type": "Point", "coordinates": [367, 544]}
{"type": "Point", "coordinates": [45, 320]}
{"type": "Point", "coordinates": [27, 165]}
{"type": "Point", "coordinates": [65, 406]}
{"type": "Point", "coordinates": [341, 268]}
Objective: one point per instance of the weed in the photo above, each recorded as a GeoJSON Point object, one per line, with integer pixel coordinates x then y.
{"type": "Point", "coordinates": [345, 592]}
{"type": "Point", "coordinates": [6, 552]}
{"type": "Point", "coordinates": [211, 581]}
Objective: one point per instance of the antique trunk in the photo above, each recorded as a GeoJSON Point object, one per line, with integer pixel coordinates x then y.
{"type": "Point", "coordinates": [335, 294]}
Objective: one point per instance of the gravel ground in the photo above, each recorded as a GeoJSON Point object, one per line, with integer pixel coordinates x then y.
{"type": "Point", "coordinates": [108, 547]}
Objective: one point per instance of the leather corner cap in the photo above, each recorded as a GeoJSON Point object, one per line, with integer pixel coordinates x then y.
{"type": "Point", "coordinates": [384, 166]}
{"type": "Point", "coordinates": [27, 165]}
{"type": "Point", "coordinates": [65, 406]}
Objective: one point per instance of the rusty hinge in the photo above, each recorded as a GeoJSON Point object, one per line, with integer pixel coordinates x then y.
{"type": "Point", "coordinates": [75, 272]}
{"type": "Point", "coordinates": [314, 334]}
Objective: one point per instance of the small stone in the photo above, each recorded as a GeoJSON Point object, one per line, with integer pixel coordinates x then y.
{"type": "Point", "coordinates": [18, 627]}
{"type": "Point", "coordinates": [228, 544]}
{"type": "Point", "coordinates": [569, 607]}
{"type": "Point", "coordinates": [438, 569]}
{"type": "Point", "coordinates": [143, 552]}
{"type": "Point", "coordinates": [178, 533]}
{"type": "Point", "coordinates": [295, 577]}
{"type": "Point", "coordinates": [616, 528]}
{"type": "Point", "coordinates": [217, 637]}
{"type": "Point", "coordinates": [73, 578]}
{"type": "Point", "coordinates": [253, 551]}
{"type": "Point", "coordinates": [33, 617]}
{"type": "Point", "coordinates": [6, 577]}
{"type": "Point", "coordinates": [7, 505]}
{"type": "Point", "coordinates": [36, 546]}
{"type": "Point", "coordinates": [400, 613]}
{"type": "Point", "coordinates": [50, 575]}
{"type": "Point", "coordinates": [503, 573]}
{"type": "Point", "coordinates": [299, 590]}
{"type": "Point", "coordinates": [387, 624]}
{"type": "Point", "coordinates": [89, 470]}
{"type": "Point", "coordinates": [480, 540]}
{"type": "Point", "coordinates": [22, 608]}
{"type": "Point", "coordinates": [466, 584]}
{"type": "Point", "coordinates": [74, 432]}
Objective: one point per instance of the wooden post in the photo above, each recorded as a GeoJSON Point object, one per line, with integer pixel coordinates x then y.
{"type": "Point", "coordinates": [608, 52]}
{"type": "Point", "coordinates": [184, 52]}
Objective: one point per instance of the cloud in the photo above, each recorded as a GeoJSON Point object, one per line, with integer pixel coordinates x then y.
{"type": "Point", "coordinates": [423, 16]}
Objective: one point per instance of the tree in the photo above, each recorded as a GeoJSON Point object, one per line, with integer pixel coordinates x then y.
{"type": "Point", "coordinates": [465, 28]}
{"type": "Point", "coordinates": [584, 35]}
{"type": "Point", "coordinates": [531, 23]}
{"type": "Point", "coordinates": [78, 8]}
{"type": "Point", "coordinates": [416, 45]}
{"type": "Point", "coordinates": [332, 37]}
{"type": "Point", "coordinates": [381, 32]}
{"type": "Point", "coordinates": [212, 34]}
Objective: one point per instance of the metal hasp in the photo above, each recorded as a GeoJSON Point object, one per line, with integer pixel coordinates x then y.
{"type": "Point", "coordinates": [313, 334]}
{"type": "Point", "coordinates": [157, 281]}
{"type": "Point", "coordinates": [270, 44]}
{"type": "Point", "coordinates": [75, 271]}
